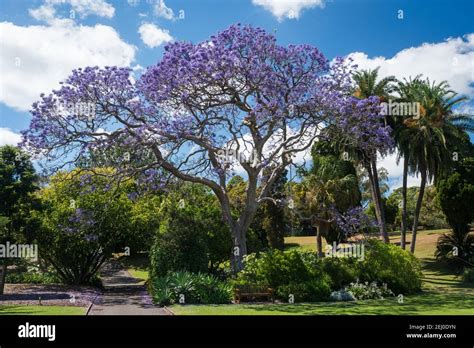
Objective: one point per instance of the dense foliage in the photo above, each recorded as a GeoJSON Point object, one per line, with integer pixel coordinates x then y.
{"type": "Point", "coordinates": [309, 278]}
{"type": "Point", "coordinates": [18, 181]}
{"type": "Point", "coordinates": [85, 219]}
{"type": "Point", "coordinates": [387, 263]}
{"type": "Point", "coordinates": [188, 288]}
{"type": "Point", "coordinates": [456, 196]}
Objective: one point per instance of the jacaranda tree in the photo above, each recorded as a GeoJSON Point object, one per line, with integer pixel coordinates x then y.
{"type": "Point", "coordinates": [236, 100]}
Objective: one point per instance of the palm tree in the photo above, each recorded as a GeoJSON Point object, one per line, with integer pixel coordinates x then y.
{"type": "Point", "coordinates": [401, 136]}
{"type": "Point", "coordinates": [367, 86]}
{"type": "Point", "coordinates": [329, 185]}
{"type": "Point", "coordinates": [422, 140]}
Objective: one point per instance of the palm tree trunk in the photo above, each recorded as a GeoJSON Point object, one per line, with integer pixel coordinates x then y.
{"type": "Point", "coordinates": [377, 197]}
{"type": "Point", "coordinates": [403, 234]}
{"type": "Point", "coordinates": [417, 210]}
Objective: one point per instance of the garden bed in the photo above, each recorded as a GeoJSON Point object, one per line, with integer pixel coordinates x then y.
{"type": "Point", "coordinates": [51, 295]}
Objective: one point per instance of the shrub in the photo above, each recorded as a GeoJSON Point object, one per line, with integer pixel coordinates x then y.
{"type": "Point", "coordinates": [468, 275]}
{"type": "Point", "coordinates": [32, 278]}
{"type": "Point", "coordinates": [455, 249]}
{"type": "Point", "coordinates": [313, 290]}
{"type": "Point", "coordinates": [162, 291]}
{"type": "Point", "coordinates": [387, 263]}
{"type": "Point", "coordinates": [368, 291]}
{"type": "Point", "coordinates": [341, 271]}
{"type": "Point", "coordinates": [179, 246]}
{"type": "Point", "coordinates": [274, 268]}
{"type": "Point", "coordinates": [294, 272]}
{"type": "Point", "coordinates": [191, 288]}
{"type": "Point", "coordinates": [83, 222]}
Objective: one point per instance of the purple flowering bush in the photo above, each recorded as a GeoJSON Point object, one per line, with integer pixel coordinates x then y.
{"type": "Point", "coordinates": [85, 219]}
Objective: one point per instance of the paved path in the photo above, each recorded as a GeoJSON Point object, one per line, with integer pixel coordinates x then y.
{"type": "Point", "coordinates": [123, 294]}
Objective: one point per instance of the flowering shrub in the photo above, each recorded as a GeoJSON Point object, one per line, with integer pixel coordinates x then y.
{"type": "Point", "coordinates": [368, 291]}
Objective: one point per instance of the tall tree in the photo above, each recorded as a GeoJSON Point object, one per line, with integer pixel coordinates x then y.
{"type": "Point", "coordinates": [424, 139]}
{"type": "Point", "coordinates": [236, 99]}
{"type": "Point", "coordinates": [17, 183]}
{"type": "Point", "coordinates": [367, 84]}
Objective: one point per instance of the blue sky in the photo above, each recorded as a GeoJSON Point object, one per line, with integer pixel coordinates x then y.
{"type": "Point", "coordinates": [42, 40]}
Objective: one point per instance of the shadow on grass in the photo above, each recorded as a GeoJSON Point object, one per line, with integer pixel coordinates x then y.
{"type": "Point", "coordinates": [444, 303]}
{"type": "Point", "coordinates": [439, 275]}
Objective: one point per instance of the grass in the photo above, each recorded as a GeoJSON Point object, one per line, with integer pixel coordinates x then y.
{"type": "Point", "coordinates": [137, 266]}
{"type": "Point", "coordinates": [303, 242]}
{"type": "Point", "coordinates": [444, 293]}
{"type": "Point", "coordinates": [41, 310]}
{"type": "Point", "coordinates": [426, 304]}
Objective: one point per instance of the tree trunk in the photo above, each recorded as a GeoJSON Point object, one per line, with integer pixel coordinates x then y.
{"type": "Point", "coordinates": [239, 249]}
{"type": "Point", "coordinates": [319, 242]}
{"type": "Point", "coordinates": [417, 210]}
{"type": "Point", "coordinates": [3, 277]}
{"type": "Point", "coordinates": [377, 199]}
{"type": "Point", "coordinates": [403, 232]}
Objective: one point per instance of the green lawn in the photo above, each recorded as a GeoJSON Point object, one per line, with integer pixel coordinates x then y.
{"type": "Point", "coordinates": [425, 304]}
{"type": "Point", "coordinates": [41, 310]}
{"type": "Point", "coordinates": [443, 291]}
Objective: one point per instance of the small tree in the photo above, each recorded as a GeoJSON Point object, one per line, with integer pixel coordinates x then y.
{"type": "Point", "coordinates": [84, 221]}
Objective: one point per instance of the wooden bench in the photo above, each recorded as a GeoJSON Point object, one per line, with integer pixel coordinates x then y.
{"type": "Point", "coordinates": [253, 292]}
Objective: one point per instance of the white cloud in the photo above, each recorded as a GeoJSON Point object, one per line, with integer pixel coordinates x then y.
{"type": "Point", "coordinates": [153, 36]}
{"type": "Point", "coordinates": [451, 60]}
{"type": "Point", "coordinates": [395, 172]}
{"type": "Point", "coordinates": [34, 59]}
{"type": "Point", "coordinates": [43, 13]}
{"type": "Point", "coordinates": [161, 10]}
{"type": "Point", "coordinates": [7, 137]}
{"type": "Point", "coordinates": [246, 147]}
{"type": "Point", "coordinates": [83, 8]}
{"type": "Point", "coordinates": [465, 109]}
{"type": "Point", "coordinates": [290, 9]}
